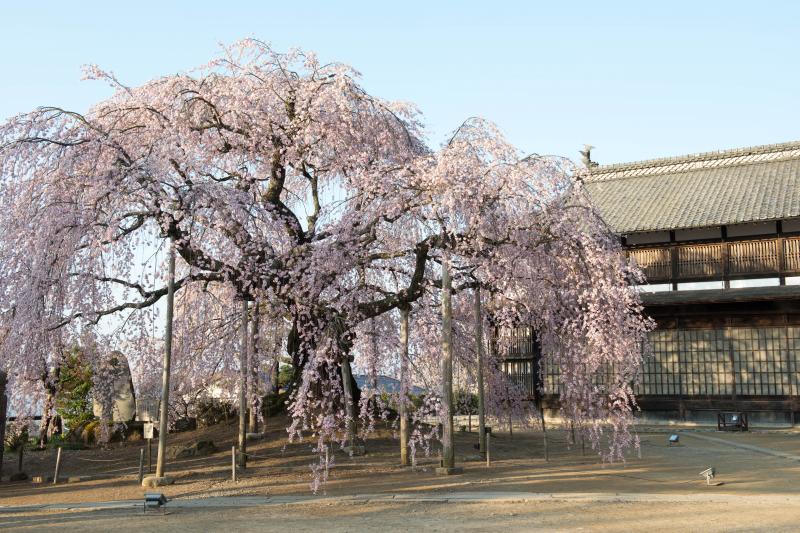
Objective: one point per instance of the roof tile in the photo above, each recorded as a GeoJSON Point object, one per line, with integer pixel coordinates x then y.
{"type": "Point", "coordinates": [752, 184]}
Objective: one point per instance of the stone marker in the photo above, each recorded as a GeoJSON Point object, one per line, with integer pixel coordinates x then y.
{"type": "Point", "coordinates": [449, 470]}
{"type": "Point", "coordinates": [194, 449]}
{"type": "Point", "coordinates": [254, 436]}
{"type": "Point", "coordinates": [356, 450]}
{"type": "Point", "coordinates": [155, 481]}
{"type": "Point", "coordinates": [123, 400]}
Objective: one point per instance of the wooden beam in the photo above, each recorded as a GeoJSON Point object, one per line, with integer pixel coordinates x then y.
{"type": "Point", "coordinates": [789, 292]}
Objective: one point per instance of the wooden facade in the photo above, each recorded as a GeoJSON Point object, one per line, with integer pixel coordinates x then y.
{"type": "Point", "coordinates": [717, 236]}
{"type": "Point", "coordinates": [723, 260]}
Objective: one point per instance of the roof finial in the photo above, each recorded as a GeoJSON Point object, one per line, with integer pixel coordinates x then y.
{"type": "Point", "coordinates": [587, 156]}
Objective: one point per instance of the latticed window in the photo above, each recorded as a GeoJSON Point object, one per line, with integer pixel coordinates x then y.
{"type": "Point", "coordinates": [722, 362]}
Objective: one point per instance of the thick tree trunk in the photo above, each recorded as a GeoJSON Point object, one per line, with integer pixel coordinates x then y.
{"type": "Point", "coordinates": [403, 402]}
{"type": "Point", "coordinates": [252, 426]}
{"type": "Point", "coordinates": [479, 350]}
{"type": "Point", "coordinates": [349, 403]}
{"type": "Point", "coordinates": [293, 349]}
{"type": "Point", "coordinates": [544, 433]}
{"type": "Point", "coordinates": [274, 373]}
{"type": "Point", "coordinates": [351, 392]}
{"type": "Point", "coordinates": [243, 372]}
{"type": "Point", "coordinates": [47, 411]}
{"type": "Point", "coordinates": [3, 410]}
{"type": "Point", "coordinates": [163, 412]}
{"type": "Point", "coordinates": [448, 452]}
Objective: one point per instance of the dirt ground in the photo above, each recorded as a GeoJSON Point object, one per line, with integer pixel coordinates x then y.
{"type": "Point", "coordinates": [518, 465]}
{"type": "Point", "coordinates": [329, 517]}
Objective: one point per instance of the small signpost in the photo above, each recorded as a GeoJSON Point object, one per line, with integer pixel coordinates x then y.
{"type": "Point", "coordinates": [148, 434]}
{"type": "Point", "coordinates": [147, 410]}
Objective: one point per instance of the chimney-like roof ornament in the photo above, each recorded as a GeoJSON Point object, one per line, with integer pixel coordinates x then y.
{"type": "Point", "coordinates": [587, 156]}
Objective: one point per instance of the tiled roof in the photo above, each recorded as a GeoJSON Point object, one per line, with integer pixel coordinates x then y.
{"type": "Point", "coordinates": [753, 184]}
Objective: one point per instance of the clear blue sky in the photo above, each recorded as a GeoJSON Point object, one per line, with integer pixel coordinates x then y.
{"type": "Point", "coordinates": [636, 79]}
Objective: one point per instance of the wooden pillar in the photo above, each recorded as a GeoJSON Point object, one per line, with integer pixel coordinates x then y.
{"type": "Point", "coordinates": [252, 425]}
{"type": "Point", "coordinates": [243, 372]}
{"type": "Point", "coordinates": [780, 242]}
{"type": "Point", "coordinates": [726, 258]}
{"type": "Point", "coordinates": [3, 410]}
{"type": "Point", "coordinates": [165, 373]}
{"type": "Point", "coordinates": [403, 401]}
{"type": "Point", "coordinates": [448, 451]}
{"type": "Point", "coordinates": [673, 255]}
{"type": "Point", "coordinates": [479, 346]}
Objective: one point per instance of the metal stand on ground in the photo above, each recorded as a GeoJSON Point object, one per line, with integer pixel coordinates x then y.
{"type": "Point", "coordinates": [58, 466]}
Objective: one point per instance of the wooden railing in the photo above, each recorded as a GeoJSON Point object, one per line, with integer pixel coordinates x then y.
{"type": "Point", "coordinates": [721, 260]}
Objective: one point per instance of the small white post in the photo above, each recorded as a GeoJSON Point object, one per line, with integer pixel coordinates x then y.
{"type": "Point", "coordinates": [233, 463]}
{"type": "Point", "coordinates": [58, 466]}
{"type": "Point", "coordinates": [488, 448]}
{"type": "Point", "coordinates": [141, 465]}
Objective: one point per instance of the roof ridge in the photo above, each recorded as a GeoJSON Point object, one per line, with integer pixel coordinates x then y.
{"type": "Point", "coordinates": [596, 173]}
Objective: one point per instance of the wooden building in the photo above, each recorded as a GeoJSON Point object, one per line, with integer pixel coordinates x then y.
{"type": "Point", "coordinates": [718, 237]}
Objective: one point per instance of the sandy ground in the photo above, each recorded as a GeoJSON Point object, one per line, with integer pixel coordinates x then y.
{"type": "Point", "coordinates": [333, 517]}
{"type": "Point", "coordinates": [518, 466]}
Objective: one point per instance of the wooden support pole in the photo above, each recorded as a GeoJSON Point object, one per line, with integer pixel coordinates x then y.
{"type": "Point", "coordinates": [141, 465]}
{"type": "Point", "coordinates": [479, 347]}
{"type": "Point", "coordinates": [347, 386]}
{"type": "Point", "coordinates": [243, 372]}
{"type": "Point", "coordinates": [164, 408]}
{"type": "Point", "coordinates": [233, 463]}
{"type": "Point", "coordinates": [544, 433]}
{"type": "Point", "coordinates": [58, 467]}
{"type": "Point", "coordinates": [403, 406]}
{"type": "Point", "coordinates": [488, 452]}
{"type": "Point", "coordinates": [3, 408]}
{"type": "Point", "coordinates": [448, 451]}
{"type": "Point", "coordinates": [252, 424]}
{"type": "Point", "coordinates": [583, 444]}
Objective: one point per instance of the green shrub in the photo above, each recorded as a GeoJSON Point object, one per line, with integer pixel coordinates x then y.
{"type": "Point", "coordinates": [213, 411]}
{"type": "Point", "coordinates": [16, 436]}
{"type": "Point", "coordinates": [285, 376]}
{"type": "Point", "coordinates": [274, 404]}
{"type": "Point", "coordinates": [73, 397]}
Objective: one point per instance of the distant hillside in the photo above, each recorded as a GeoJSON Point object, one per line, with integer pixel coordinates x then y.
{"type": "Point", "coordinates": [385, 383]}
